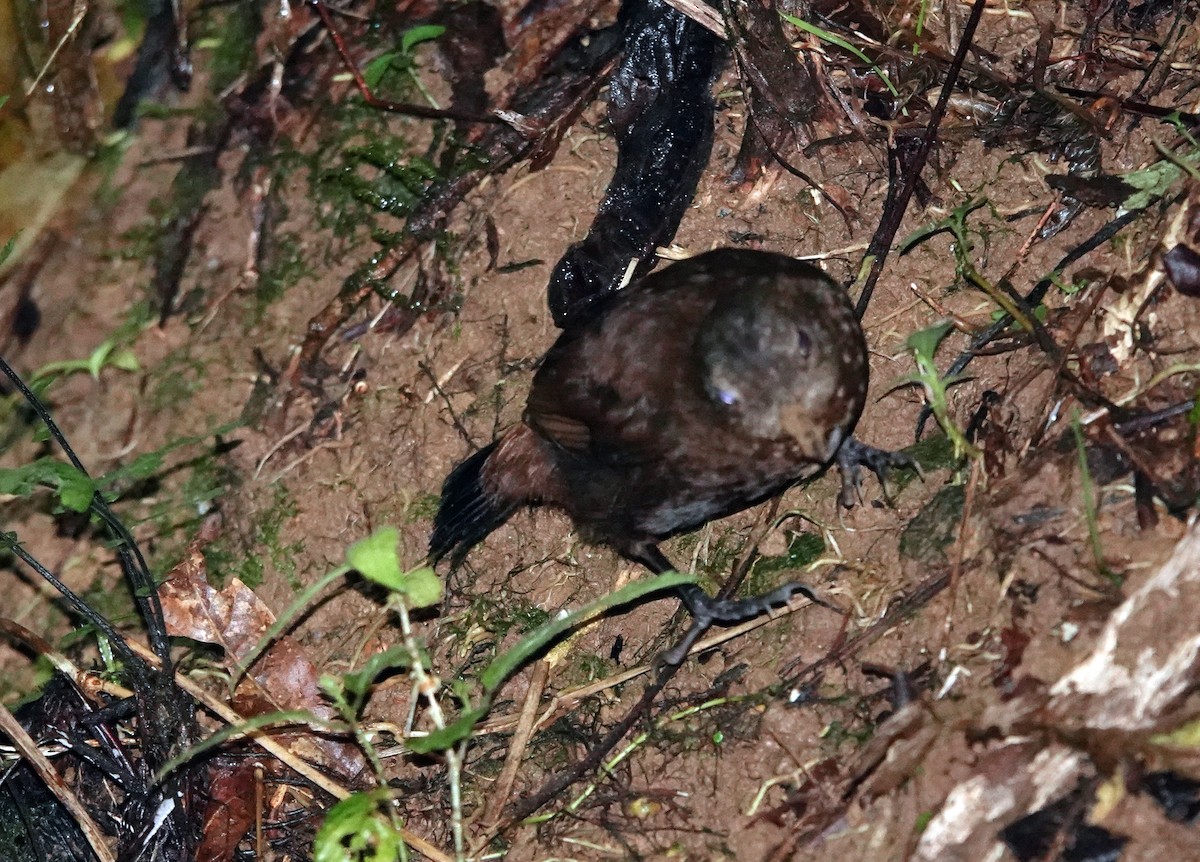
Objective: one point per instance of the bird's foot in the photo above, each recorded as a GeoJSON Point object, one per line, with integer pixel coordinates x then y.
{"type": "Point", "coordinates": [707, 612]}
{"type": "Point", "coordinates": [854, 455]}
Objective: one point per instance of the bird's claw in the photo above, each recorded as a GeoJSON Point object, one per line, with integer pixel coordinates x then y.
{"type": "Point", "coordinates": [853, 455]}
{"type": "Point", "coordinates": [707, 612]}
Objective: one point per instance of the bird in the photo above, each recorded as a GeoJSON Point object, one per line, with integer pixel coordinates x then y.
{"type": "Point", "coordinates": [695, 392]}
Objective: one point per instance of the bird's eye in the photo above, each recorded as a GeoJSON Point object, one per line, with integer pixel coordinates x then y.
{"type": "Point", "coordinates": [803, 341]}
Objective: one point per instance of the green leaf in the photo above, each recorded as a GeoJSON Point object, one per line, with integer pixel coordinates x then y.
{"type": "Point", "coordinates": [414, 36]}
{"type": "Point", "coordinates": [149, 463]}
{"type": "Point", "coordinates": [377, 558]}
{"type": "Point", "coordinates": [422, 588]}
{"type": "Point", "coordinates": [360, 829]}
{"type": "Point", "coordinates": [124, 359]}
{"type": "Point", "coordinates": [95, 362]}
{"type": "Point", "coordinates": [450, 735]}
{"type": "Point", "coordinates": [1151, 184]}
{"type": "Point", "coordinates": [924, 342]}
{"type": "Point", "coordinates": [74, 489]}
{"type": "Point", "coordinates": [108, 353]}
{"type": "Point", "coordinates": [12, 240]}
{"type": "Point", "coordinates": [142, 467]}
{"type": "Point", "coordinates": [77, 491]}
{"type": "Point", "coordinates": [374, 71]}
{"type": "Point", "coordinates": [358, 682]}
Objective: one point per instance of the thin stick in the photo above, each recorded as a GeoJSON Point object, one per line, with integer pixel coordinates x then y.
{"type": "Point", "coordinates": [908, 171]}
{"type": "Point", "coordinates": [520, 741]}
{"type": "Point", "coordinates": [50, 777]}
{"type": "Point", "coordinates": [285, 756]}
{"type": "Point", "coordinates": [383, 104]}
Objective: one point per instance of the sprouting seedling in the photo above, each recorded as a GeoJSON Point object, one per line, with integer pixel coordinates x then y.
{"type": "Point", "coordinates": [955, 223]}
{"type": "Point", "coordinates": [402, 59]}
{"type": "Point", "coordinates": [834, 39]}
{"type": "Point", "coordinates": [110, 354]}
{"type": "Point", "coordinates": [923, 345]}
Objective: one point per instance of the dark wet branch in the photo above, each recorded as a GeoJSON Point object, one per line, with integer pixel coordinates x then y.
{"type": "Point", "coordinates": [661, 108]}
{"type": "Point", "coordinates": [906, 169]}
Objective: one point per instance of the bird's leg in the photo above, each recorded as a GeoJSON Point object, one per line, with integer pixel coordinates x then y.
{"type": "Point", "coordinates": [854, 454]}
{"type": "Point", "coordinates": [647, 554]}
{"type": "Point", "coordinates": [707, 611]}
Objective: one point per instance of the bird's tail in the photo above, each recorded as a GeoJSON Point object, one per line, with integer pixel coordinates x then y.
{"type": "Point", "coordinates": [468, 511]}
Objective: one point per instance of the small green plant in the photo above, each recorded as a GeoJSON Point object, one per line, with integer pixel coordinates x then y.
{"type": "Point", "coordinates": [369, 825]}
{"type": "Point", "coordinates": [956, 225]}
{"type": "Point", "coordinates": [1091, 509]}
{"type": "Point", "coordinates": [75, 489]}
{"type": "Point", "coordinates": [923, 345]}
{"type": "Point", "coordinates": [1154, 182]}
{"type": "Point", "coordinates": [363, 827]}
{"type": "Point", "coordinates": [366, 827]}
{"type": "Point", "coordinates": [110, 354]}
{"type": "Point", "coordinates": [401, 60]}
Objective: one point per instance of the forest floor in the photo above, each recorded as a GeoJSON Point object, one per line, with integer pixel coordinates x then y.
{"type": "Point", "coordinates": [917, 724]}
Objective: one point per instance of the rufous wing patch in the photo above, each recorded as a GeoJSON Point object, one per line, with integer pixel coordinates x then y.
{"type": "Point", "coordinates": [561, 430]}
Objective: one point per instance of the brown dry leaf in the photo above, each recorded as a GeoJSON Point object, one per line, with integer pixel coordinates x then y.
{"type": "Point", "coordinates": [234, 618]}
{"type": "Point", "coordinates": [230, 811]}
{"type": "Point", "coordinates": [896, 751]}
{"type": "Point", "coordinates": [282, 679]}
{"type": "Point", "coordinates": [1146, 660]}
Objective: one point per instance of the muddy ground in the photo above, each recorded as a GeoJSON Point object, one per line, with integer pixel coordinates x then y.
{"type": "Point", "coordinates": [813, 736]}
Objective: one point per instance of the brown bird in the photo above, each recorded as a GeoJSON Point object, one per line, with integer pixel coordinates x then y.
{"type": "Point", "coordinates": [692, 394]}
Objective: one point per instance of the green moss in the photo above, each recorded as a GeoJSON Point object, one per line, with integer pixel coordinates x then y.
{"type": "Point", "coordinates": [835, 734]}
{"type": "Point", "coordinates": [233, 32]}
{"type": "Point", "coordinates": [264, 545]}
{"type": "Point", "coordinates": [802, 550]}
{"type": "Point", "coordinates": [585, 668]}
{"type": "Point", "coordinates": [141, 241]}
{"type": "Point", "coordinates": [175, 380]}
{"type": "Point", "coordinates": [422, 508]}
{"type": "Point", "coordinates": [286, 268]}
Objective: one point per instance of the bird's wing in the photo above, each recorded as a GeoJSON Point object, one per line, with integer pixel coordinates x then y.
{"type": "Point", "coordinates": [609, 389]}
{"type": "Point", "coordinates": [564, 431]}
